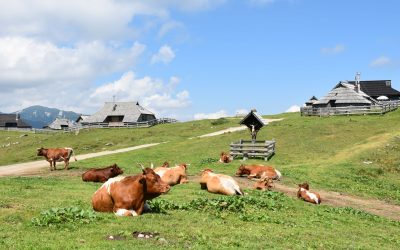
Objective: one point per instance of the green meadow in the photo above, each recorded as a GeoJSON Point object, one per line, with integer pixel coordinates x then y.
{"type": "Point", "coordinates": [355, 155]}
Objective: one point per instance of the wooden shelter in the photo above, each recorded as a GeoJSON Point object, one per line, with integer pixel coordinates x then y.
{"type": "Point", "coordinates": [114, 114]}
{"type": "Point", "coordinates": [12, 121]}
{"type": "Point", "coordinates": [254, 122]}
{"type": "Point", "coordinates": [61, 124]}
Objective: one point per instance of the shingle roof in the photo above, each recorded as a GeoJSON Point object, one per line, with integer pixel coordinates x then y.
{"type": "Point", "coordinates": [344, 93]}
{"type": "Point", "coordinates": [11, 118]}
{"type": "Point", "coordinates": [59, 123]}
{"type": "Point", "coordinates": [377, 88]}
{"type": "Point", "coordinates": [131, 112]}
{"type": "Point", "coordinates": [253, 118]}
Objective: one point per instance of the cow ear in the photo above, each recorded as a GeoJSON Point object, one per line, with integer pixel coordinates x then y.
{"type": "Point", "coordinates": [142, 180]}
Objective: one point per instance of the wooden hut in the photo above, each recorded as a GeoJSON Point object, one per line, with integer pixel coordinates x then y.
{"type": "Point", "coordinates": [114, 114]}
{"type": "Point", "coordinates": [12, 121]}
{"type": "Point", "coordinates": [377, 88]}
{"type": "Point", "coordinates": [310, 102]}
{"type": "Point", "coordinates": [61, 124]}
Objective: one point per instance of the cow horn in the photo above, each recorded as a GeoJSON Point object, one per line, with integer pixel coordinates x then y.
{"type": "Point", "coordinates": [152, 166]}
{"type": "Point", "coordinates": [141, 165]}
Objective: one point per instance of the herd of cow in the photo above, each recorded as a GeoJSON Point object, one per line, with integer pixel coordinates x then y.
{"type": "Point", "coordinates": [127, 195]}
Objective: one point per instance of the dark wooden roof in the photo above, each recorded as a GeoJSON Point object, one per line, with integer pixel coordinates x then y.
{"type": "Point", "coordinates": [377, 88]}
{"type": "Point", "coordinates": [253, 118]}
{"type": "Point", "coordinates": [11, 118]}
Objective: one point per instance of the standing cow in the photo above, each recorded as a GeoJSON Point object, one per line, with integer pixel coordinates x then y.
{"type": "Point", "coordinates": [219, 183]}
{"type": "Point", "coordinates": [54, 155]}
{"type": "Point", "coordinates": [126, 196]}
{"type": "Point", "coordinates": [102, 174]}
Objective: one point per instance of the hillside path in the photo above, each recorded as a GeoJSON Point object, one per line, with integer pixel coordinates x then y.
{"type": "Point", "coordinates": [33, 167]}
{"type": "Point", "coordinates": [336, 199]}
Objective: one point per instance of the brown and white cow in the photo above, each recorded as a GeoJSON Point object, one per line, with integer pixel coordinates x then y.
{"type": "Point", "coordinates": [258, 171]}
{"type": "Point", "coordinates": [224, 157]}
{"type": "Point", "coordinates": [173, 176]}
{"type": "Point", "coordinates": [305, 194]}
{"type": "Point", "coordinates": [264, 183]}
{"type": "Point", "coordinates": [127, 196]}
{"type": "Point", "coordinates": [219, 183]}
{"type": "Point", "coordinates": [54, 155]}
{"type": "Point", "coordinates": [102, 174]}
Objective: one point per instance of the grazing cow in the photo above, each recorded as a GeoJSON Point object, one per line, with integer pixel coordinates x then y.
{"type": "Point", "coordinates": [102, 174]}
{"type": "Point", "coordinates": [258, 171]}
{"type": "Point", "coordinates": [54, 155]}
{"type": "Point", "coordinates": [174, 175]}
{"type": "Point", "coordinates": [225, 157]}
{"type": "Point", "coordinates": [126, 196]}
{"type": "Point", "coordinates": [219, 183]}
{"type": "Point", "coordinates": [306, 195]}
{"type": "Point", "coordinates": [264, 183]}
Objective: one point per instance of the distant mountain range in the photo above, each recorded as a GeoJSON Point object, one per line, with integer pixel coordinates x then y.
{"type": "Point", "coordinates": [39, 116]}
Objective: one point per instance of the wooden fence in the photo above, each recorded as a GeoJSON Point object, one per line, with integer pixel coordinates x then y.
{"type": "Point", "coordinates": [350, 110]}
{"type": "Point", "coordinates": [247, 149]}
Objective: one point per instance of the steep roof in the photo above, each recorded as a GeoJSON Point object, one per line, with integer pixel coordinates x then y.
{"type": "Point", "coordinates": [59, 123]}
{"type": "Point", "coordinates": [377, 88]}
{"type": "Point", "coordinates": [345, 93]}
{"type": "Point", "coordinates": [11, 118]}
{"type": "Point", "coordinates": [131, 112]}
{"type": "Point", "coordinates": [253, 118]}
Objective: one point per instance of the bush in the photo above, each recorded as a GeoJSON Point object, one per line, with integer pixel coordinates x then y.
{"type": "Point", "coordinates": [69, 215]}
{"type": "Point", "coordinates": [219, 121]}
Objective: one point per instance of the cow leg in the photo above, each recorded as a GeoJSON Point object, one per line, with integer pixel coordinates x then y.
{"type": "Point", "coordinates": [54, 164]}
{"type": "Point", "coordinates": [51, 165]}
{"type": "Point", "coordinates": [251, 176]}
{"type": "Point", "coordinates": [66, 163]}
{"type": "Point", "coordinates": [125, 212]}
{"type": "Point", "coordinates": [183, 180]}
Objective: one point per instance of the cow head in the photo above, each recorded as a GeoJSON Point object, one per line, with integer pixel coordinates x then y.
{"type": "Point", "coordinates": [204, 176]}
{"type": "Point", "coordinates": [304, 185]}
{"type": "Point", "coordinates": [41, 151]}
{"type": "Point", "coordinates": [242, 170]}
{"type": "Point", "coordinates": [153, 183]}
{"type": "Point", "coordinates": [224, 157]}
{"type": "Point", "coordinates": [115, 170]}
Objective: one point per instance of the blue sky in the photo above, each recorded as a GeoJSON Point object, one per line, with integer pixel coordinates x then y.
{"type": "Point", "coordinates": [191, 59]}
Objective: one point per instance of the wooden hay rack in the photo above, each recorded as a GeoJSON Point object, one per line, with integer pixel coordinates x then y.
{"type": "Point", "coordinates": [252, 149]}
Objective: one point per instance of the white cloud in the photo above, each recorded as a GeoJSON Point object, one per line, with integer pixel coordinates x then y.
{"type": "Point", "coordinates": [381, 61]}
{"type": "Point", "coordinates": [293, 109]}
{"type": "Point", "coordinates": [216, 115]}
{"type": "Point", "coordinates": [165, 55]}
{"type": "Point", "coordinates": [241, 112]}
{"type": "Point", "coordinates": [168, 27]}
{"type": "Point", "coordinates": [337, 49]}
{"type": "Point", "coordinates": [154, 94]}
{"type": "Point", "coordinates": [69, 20]}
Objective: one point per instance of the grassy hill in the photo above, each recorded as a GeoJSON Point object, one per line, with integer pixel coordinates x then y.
{"type": "Point", "coordinates": [357, 155]}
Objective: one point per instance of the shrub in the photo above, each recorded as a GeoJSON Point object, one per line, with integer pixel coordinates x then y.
{"type": "Point", "coordinates": [69, 215]}
{"type": "Point", "coordinates": [219, 121]}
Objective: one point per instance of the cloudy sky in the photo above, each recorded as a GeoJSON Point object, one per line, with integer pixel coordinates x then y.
{"type": "Point", "coordinates": [191, 59]}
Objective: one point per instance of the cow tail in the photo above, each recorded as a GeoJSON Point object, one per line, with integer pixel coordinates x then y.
{"type": "Point", "coordinates": [279, 175]}
{"type": "Point", "coordinates": [71, 153]}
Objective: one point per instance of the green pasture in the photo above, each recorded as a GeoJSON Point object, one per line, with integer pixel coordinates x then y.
{"type": "Point", "coordinates": [357, 155]}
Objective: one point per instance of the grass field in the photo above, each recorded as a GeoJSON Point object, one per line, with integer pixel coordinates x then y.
{"type": "Point", "coordinates": [357, 155]}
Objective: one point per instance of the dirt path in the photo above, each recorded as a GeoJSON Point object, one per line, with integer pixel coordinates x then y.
{"type": "Point", "coordinates": [233, 129]}
{"type": "Point", "coordinates": [29, 168]}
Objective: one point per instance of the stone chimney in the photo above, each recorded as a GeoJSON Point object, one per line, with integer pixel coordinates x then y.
{"type": "Point", "coordinates": [357, 82]}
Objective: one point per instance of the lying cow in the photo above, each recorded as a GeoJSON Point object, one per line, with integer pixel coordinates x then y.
{"type": "Point", "coordinates": [264, 183]}
{"type": "Point", "coordinates": [101, 174]}
{"type": "Point", "coordinates": [174, 175]}
{"type": "Point", "coordinates": [126, 196]}
{"type": "Point", "coordinates": [258, 171]}
{"type": "Point", "coordinates": [224, 157]}
{"type": "Point", "coordinates": [219, 183]}
{"type": "Point", "coordinates": [54, 155]}
{"type": "Point", "coordinates": [306, 195]}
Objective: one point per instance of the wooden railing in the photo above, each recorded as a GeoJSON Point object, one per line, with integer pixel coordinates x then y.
{"type": "Point", "coordinates": [247, 149]}
{"type": "Point", "coordinates": [350, 110]}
